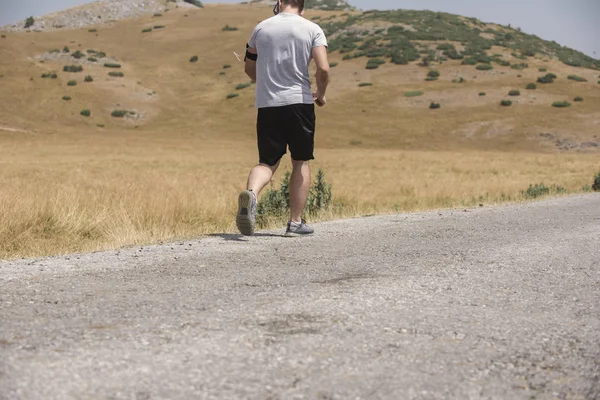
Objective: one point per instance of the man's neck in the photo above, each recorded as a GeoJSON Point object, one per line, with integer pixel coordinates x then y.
{"type": "Point", "coordinates": [290, 10]}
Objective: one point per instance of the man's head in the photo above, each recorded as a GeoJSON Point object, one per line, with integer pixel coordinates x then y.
{"type": "Point", "coordinates": [291, 5]}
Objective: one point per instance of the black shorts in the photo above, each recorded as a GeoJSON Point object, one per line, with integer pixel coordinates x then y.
{"type": "Point", "coordinates": [280, 127]}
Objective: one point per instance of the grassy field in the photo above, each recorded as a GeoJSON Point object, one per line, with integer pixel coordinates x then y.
{"type": "Point", "coordinates": [173, 167]}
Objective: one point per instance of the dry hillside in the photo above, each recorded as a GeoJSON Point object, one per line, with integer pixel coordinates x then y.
{"type": "Point", "coordinates": [170, 131]}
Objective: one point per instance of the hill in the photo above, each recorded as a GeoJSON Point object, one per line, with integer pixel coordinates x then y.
{"type": "Point", "coordinates": [142, 129]}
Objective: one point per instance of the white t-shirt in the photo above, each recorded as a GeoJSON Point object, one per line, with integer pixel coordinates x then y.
{"type": "Point", "coordinates": [284, 45]}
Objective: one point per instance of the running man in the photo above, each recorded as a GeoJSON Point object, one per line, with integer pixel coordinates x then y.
{"type": "Point", "coordinates": [277, 58]}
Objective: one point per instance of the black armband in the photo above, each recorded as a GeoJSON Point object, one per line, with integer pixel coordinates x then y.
{"type": "Point", "coordinates": [250, 56]}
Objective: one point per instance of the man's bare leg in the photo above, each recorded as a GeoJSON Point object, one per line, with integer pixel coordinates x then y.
{"type": "Point", "coordinates": [299, 188]}
{"type": "Point", "coordinates": [260, 176]}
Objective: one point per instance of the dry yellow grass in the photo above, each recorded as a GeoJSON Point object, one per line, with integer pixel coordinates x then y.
{"type": "Point", "coordinates": [68, 185]}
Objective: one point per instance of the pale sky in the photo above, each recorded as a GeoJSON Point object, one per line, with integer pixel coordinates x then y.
{"type": "Point", "coordinates": [571, 23]}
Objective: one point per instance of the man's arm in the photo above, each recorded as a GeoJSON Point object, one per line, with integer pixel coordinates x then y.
{"type": "Point", "coordinates": [321, 60]}
{"type": "Point", "coordinates": [251, 65]}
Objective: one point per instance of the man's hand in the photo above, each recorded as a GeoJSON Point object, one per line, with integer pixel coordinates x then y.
{"type": "Point", "coordinates": [319, 99]}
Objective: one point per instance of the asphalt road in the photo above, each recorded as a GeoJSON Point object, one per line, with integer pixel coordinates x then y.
{"type": "Point", "coordinates": [489, 303]}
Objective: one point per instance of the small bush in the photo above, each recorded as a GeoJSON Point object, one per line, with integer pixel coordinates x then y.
{"type": "Point", "coordinates": [118, 113]}
{"type": "Point", "coordinates": [363, 84]}
{"type": "Point", "coordinates": [482, 93]}
{"type": "Point", "coordinates": [414, 93]}
{"type": "Point", "coordinates": [101, 54]}
{"type": "Point", "coordinates": [434, 106]}
{"type": "Point", "coordinates": [228, 28]}
{"type": "Point", "coordinates": [50, 75]}
{"type": "Point", "coordinates": [506, 103]}
{"type": "Point", "coordinates": [469, 61]}
{"type": "Point", "coordinates": [561, 104]}
{"type": "Point", "coordinates": [596, 184]}
{"type": "Point", "coordinates": [66, 50]}
{"type": "Point", "coordinates": [92, 30]}
{"type": "Point", "coordinates": [146, 30]}
{"type": "Point", "coordinates": [157, 15]}
{"type": "Point", "coordinates": [78, 54]}
{"type": "Point", "coordinates": [116, 74]}
{"type": "Point", "coordinates": [232, 95]}
{"type": "Point", "coordinates": [72, 83]}
{"type": "Point", "coordinates": [576, 78]}
{"type": "Point", "coordinates": [159, 26]}
{"type": "Point", "coordinates": [72, 68]}
{"type": "Point", "coordinates": [92, 59]}
{"type": "Point", "coordinates": [66, 98]}
{"type": "Point", "coordinates": [484, 67]}
{"type": "Point", "coordinates": [29, 22]}
{"type": "Point", "coordinates": [88, 78]}
{"type": "Point", "coordinates": [112, 65]}
{"type": "Point", "coordinates": [243, 86]}
{"type": "Point", "coordinates": [543, 69]}
{"type": "Point", "coordinates": [531, 86]}
{"type": "Point", "coordinates": [194, 59]}
{"type": "Point", "coordinates": [374, 63]}
{"type": "Point", "coordinates": [520, 66]}
{"type": "Point", "coordinates": [433, 74]}
{"type": "Point", "coordinates": [85, 113]}
{"type": "Point", "coordinates": [222, 73]}
{"type": "Point", "coordinates": [539, 190]}
{"type": "Point", "coordinates": [197, 3]}
{"type": "Point", "coordinates": [578, 98]}
{"type": "Point", "coordinates": [333, 65]}
{"type": "Point", "coordinates": [548, 78]}
{"type": "Point", "coordinates": [55, 51]}
{"type": "Point", "coordinates": [514, 93]}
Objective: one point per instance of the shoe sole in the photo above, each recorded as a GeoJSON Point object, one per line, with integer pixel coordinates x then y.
{"type": "Point", "coordinates": [244, 219]}
{"type": "Point", "coordinates": [294, 234]}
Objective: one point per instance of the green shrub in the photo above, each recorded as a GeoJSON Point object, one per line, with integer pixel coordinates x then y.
{"type": "Point", "coordinates": [514, 93]}
{"type": "Point", "coordinates": [88, 78]}
{"type": "Point", "coordinates": [226, 66]}
{"type": "Point", "coordinates": [482, 93]}
{"type": "Point", "coordinates": [66, 50]}
{"type": "Point", "coordinates": [196, 3]}
{"type": "Point", "coordinates": [543, 69]}
{"type": "Point", "coordinates": [561, 104]}
{"type": "Point", "coordinates": [548, 78]}
{"type": "Point", "coordinates": [101, 54]}
{"type": "Point", "coordinates": [434, 106]}
{"type": "Point", "coordinates": [531, 86]}
{"type": "Point", "coordinates": [333, 65]}
{"type": "Point", "coordinates": [157, 15]}
{"type": "Point", "coordinates": [469, 61]}
{"type": "Point", "coordinates": [576, 78]}
{"type": "Point", "coordinates": [596, 184]}
{"type": "Point", "coordinates": [112, 65]}
{"type": "Point", "coordinates": [146, 30]}
{"type": "Point", "coordinates": [92, 59]}
{"type": "Point", "coordinates": [520, 66]}
{"type": "Point", "coordinates": [194, 59]}
{"type": "Point", "coordinates": [78, 54]}
{"type": "Point", "coordinates": [116, 74]}
{"type": "Point", "coordinates": [414, 93]}
{"type": "Point", "coordinates": [92, 30]}
{"type": "Point", "coordinates": [243, 86]}
{"type": "Point", "coordinates": [484, 67]}
{"type": "Point", "coordinates": [72, 83]}
{"type": "Point", "coordinates": [578, 98]}
{"type": "Point", "coordinates": [222, 73]}
{"type": "Point", "coordinates": [539, 190]}
{"type": "Point", "coordinates": [433, 74]}
{"type": "Point", "coordinates": [55, 51]}
{"type": "Point", "coordinates": [85, 113]}
{"type": "Point", "coordinates": [274, 205]}
{"type": "Point", "coordinates": [29, 22]}
{"type": "Point", "coordinates": [119, 113]}
{"type": "Point", "coordinates": [363, 84]}
{"type": "Point", "coordinates": [506, 103]}
{"type": "Point", "coordinates": [50, 75]}
{"type": "Point", "coordinates": [72, 68]}
{"type": "Point", "coordinates": [374, 63]}
{"type": "Point", "coordinates": [228, 28]}
{"type": "Point", "coordinates": [232, 95]}
{"type": "Point", "coordinates": [66, 98]}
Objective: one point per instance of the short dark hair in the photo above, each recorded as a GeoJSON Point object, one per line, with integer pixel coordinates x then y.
{"type": "Point", "coordinates": [299, 4]}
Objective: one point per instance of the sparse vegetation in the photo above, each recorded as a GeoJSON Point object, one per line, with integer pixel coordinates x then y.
{"type": "Point", "coordinates": [520, 66]}
{"type": "Point", "coordinates": [561, 104]}
{"type": "Point", "coordinates": [93, 30]}
{"type": "Point", "coordinates": [72, 68]}
{"type": "Point", "coordinates": [29, 22]}
{"type": "Point", "coordinates": [77, 55]}
{"type": "Point", "coordinates": [548, 78]}
{"type": "Point", "coordinates": [119, 113]}
{"type": "Point", "coordinates": [196, 3]}
{"type": "Point", "coordinates": [226, 66]}
{"type": "Point", "coordinates": [53, 51]}
{"type": "Point", "coordinates": [85, 113]}
{"type": "Point", "coordinates": [539, 190]}
{"type": "Point", "coordinates": [531, 86]}
{"type": "Point", "coordinates": [228, 28]}
{"type": "Point", "coordinates": [66, 98]}
{"type": "Point", "coordinates": [514, 93]}
{"type": "Point", "coordinates": [146, 30]}
{"type": "Point", "coordinates": [333, 64]}
{"type": "Point", "coordinates": [116, 74]}
{"type": "Point", "coordinates": [157, 15]}
{"type": "Point", "coordinates": [414, 93]}
{"type": "Point", "coordinates": [543, 69]}
{"type": "Point", "coordinates": [596, 184]}
{"type": "Point", "coordinates": [482, 93]}
{"type": "Point", "coordinates": [159, 26]}
{"type": "Point", "coordinates": [434, 106]}
{"type": "Point", "coordinates": [576, 78]}
{"type": "Point", "coordinates": [101, 54]}
{"type": "Point", "coordinates": [88, 78]}
{"type": "Point", "coordinates": [243, 86]}
{"type": "Point", "coordinates": [194, 59]}
{"type": "Point", "coordinates": [433, 74]}
{"type": "Point", "coordinates": [92, 59]}
{"type": "Point", "coordinates": [112, 65]}
{"type": "Point", "coordinates": [484, 67]}
{"type": "Point", "coordinates": [50, 75]}
{"type": "Point", "coordinates": [232, 95]}
{"type": "Point", "coordinates": [374, 63]}
{"type": "Point", "coordinates": [364, 84]}
{"type": "Point", "coordinates": [72, 83]}
{"type": "Point", "coordinates": [66, 50]}
{"type": "Point", "coordinates": [506, 103]}
{"type": "Point", "coordinates": [578, 99]}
